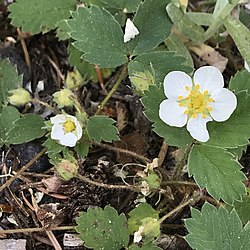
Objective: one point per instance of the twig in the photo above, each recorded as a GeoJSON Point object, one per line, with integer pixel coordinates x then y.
{"type": "Point", "coordinates": [186, 183]}
{"type": "Point", "coordinates": [36, 229]}
{"type": "Point", "coordinates": [112, 91]}
{"type": "Point", "coordinates": [108, 186]}
{"type": "Point", "coordinates": [100, 77]}
{"type": "Point", "coordinates": [35, 100]}
{"type": "Point", "coordinates": [25, 50]}
{"type": "Point", "coordinates": [24, 168]}
{"type": "Point", "coordinates": [123, 151]}
{"type": "Point", "coordinates": [162, 154]}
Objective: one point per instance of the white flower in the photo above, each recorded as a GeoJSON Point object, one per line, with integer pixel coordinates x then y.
{"type": "Point", "coordinates": [130, 31]}
{"type": "Point", "coordinates": [196, 102]}
{"type": "Point", "coordinates": [138, 234]}
{"type": "Point", "coordinates": [246, 66]}
{"type": "Point", "coordinates": [66, 129]}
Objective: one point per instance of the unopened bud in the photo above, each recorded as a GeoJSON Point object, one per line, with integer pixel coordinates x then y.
{"type": "Point", "coordinates": [62, 98]}
{"type": "Point", "coordinates": [67, 170]}
{"type": "Point", "coordinates": [19, 97]}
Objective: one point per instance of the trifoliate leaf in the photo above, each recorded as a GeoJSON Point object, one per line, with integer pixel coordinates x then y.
{"type": "Point", "coordinates": [138, 214]}
{"type": "Point", "coordinates": [9, 80]}
{"type": "Point", "coordinates": [102, 128]}
{"type": "Point", "coordinates": [215, 229]}
{"type": "Point", "coordinates": [154, 26]}
{"type": "Point", "coordinates": [98, 36]}
{"type": "Point", "coordinates": [241, 81]}
{"type": "Point", "coordinates": [162, 62]}
{"type": "Point", "coordinates": [36, 16]}
{"type": "Point", "coordinates": [174, 136]}
{"type": "Point", "coordinates": [216, 170]}
{"type": "Point", "coordinates": [240, 35]}
{"type": "Point", "coordinates": [25, 129]}
{"type": "Point", "coordinates": [8, 117]}
{"type": "Point", "coordinates": [103, 229]}
{"type": "Point", "coordinates": [235, 131]}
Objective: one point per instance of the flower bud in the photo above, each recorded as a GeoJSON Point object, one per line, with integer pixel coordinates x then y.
{"type": "Point", "coordinates": [74, 79]}
{"type": "Point", "coordinates": [67, 170]}
{"type": "Point", "coordinates": [19, 97]}
{"type": "Point", "coordinates": [62, 98]}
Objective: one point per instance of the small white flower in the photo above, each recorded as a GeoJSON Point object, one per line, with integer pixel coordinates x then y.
{"type": "Point", "coordinates": [138, 234]}
{"type": "Point", "coordinates": [66, 129]}
{"type": "Point", "coordinates": [130, 31]}
{"type": "Point", "coordinates": [246, 66]}
{"type": "Point", "coordinates": [196, 102]}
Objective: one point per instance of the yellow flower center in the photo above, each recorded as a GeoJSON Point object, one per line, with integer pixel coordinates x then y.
{"type": "Point", "coordinates": [69, 126]}
{"type": "Point", "coordinates": [196, 102]}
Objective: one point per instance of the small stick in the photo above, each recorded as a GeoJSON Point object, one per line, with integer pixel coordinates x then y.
{"type": "Point", "coordinates": [100, 77]}
{"type": "Point", "coordinates": [24, 168]}
{"type": "Point", "coordinates": [25, 50]}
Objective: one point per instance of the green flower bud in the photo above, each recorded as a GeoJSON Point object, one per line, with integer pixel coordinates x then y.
{"type": "Point", "coordinates": [62, 98]}
{"type": "Point", "coordinates": [74, 79]}
{"type": "Point", "coordinates": [67, 170]}
{"type": "Point", "coordinates": [19, 97]}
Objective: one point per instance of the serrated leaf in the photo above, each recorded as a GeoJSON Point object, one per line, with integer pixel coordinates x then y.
{"type": "Point", "coordinates": [235, 131]}
{"type": "Point", "coordinates": [53, 147]}
{"type": "Point", "coordinates": [102, 228]}
{"type": "Point", "coordinates": [36, 16]}
{"type": "Point", "coordinates": [9, 80]}
{"type": "Point", "coordinates": [153, 24]}
{"type": "Point", "coordinates": [216, 170]}
{"type": "Point", "coordinates": [241, 81]}
{"type": "Point", "coordinates": [242, 208]}
{"type": "Point", "coordinates": [82, 147]}
{"type": "Point", "coordinates": [214, 229]}
{"type": "Point", "coordinates": [138, 214]}
{"type": "Point", "coordinates": [174, 136]}
{"type": "Point", "coordinates": [145, 246]}
{"type": "Point", "coordinates": [8, 117]}
{"type": "Point", "coordinates": [238, 152]}
{"type": "Point", "coordinates": [25, 129]}
{"type": "Point", "coordinates": [98, 36]}
{"type": "Point", "coordinates": [240, 35]}
{"type": "Point", "coordinates": [102, 128]}
{"type": "Point", "coordinates": [162, 63]}
{"type": "Point", "coordinates": [63, 30]}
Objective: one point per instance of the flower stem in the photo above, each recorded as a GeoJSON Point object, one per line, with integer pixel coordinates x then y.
{"type": "Point", "coordinates": [123, 74]}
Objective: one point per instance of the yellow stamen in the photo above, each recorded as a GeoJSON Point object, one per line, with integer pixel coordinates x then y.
{"type": "Point", "coordinates": [69, 126]}
{"type": "Point", "coordinates": [210, 99]}
{"type": "Point", "coordinates": [180, 97]}
{"type": "Point", "coordinates": [205, 92]}
{"type": "Point", "coordinates": [181, 104]}
{"type": "Point", "coordinates": [186, 112]}
{"type": "Point", "coordinates": [197, 86]}
{"type": "Point", "coordinates": [194, 115]}
{"type": "Point", "coordinates": [203, 116]}
{"type": "Point", "coordinates": [210, 109]}
{"type": "Point", "coordinates": [187, 88]}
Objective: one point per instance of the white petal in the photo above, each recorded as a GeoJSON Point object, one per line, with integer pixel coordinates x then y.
{"type": "Point", "coordinates": [209, 78]}
{"type": "Point", "coordinates": [69, 139]}
{"type": "Point", "coordinates": [246, 66]}
{"type": "Point", "coordinates": [78, 130]}
{"type": "Point", "coordinates": [58, 119]}
{"type": "Point", "coordinates": [172, 114]}
{"type": "Point", "coordinates": [130, 31]}
{"type": "Point", "coordinates": [224, 104]}
{"type": "Point", "coordinates": [197, 127]}
{"type": "Point", "coordinates": [57, 132]}
{"type": "Point", "coordinates": [175, 83]}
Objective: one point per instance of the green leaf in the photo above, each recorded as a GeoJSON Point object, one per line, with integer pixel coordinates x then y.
{"type": "Point", "coordinates": [25, 129]}
{"type": "Point", "coordinates": [200, 18]}
{"type": "Point", "coordinates": [241, 81]}
{"type": "Point", "coordinates": [174, 136]}
{"type": "Point", "coordinates": [153, 24]}
{"type": "Point", "coordinates": [9, 80]}
{"type": "Point", "coordinates": [145, 246]}
{"type": "Point", "coordinates": [36, 16]}
{"type": "Point", "coordinates": [216, 170]}
{"type": "Point", "coordinates": [63, 30]}
{"type": "Point", "coordinates": [101, 128]}
{"type": "Point", "coordinates": [102, 229]}
{"type": "Point", "coordinates": [235, 131]}
{"type": "Point", "coordinates": [242, 208]}
{"type": "Point", "coordinates": [162, 63]}
{"type": "Point", "coordinates": [184, 25]}
{"type": "Point", "coordinates": [174, 43]}
{"type": "Point", "coordinates": [238, 152]}
{"type": "Point", "coordinates": [53, 147]}
{"type": "Point", "coordinates": [98, 36]}
{"type": "Point", "coordinates": [8, 117]}
{"type": "Point", "coordinates": [138, 214]}
{"type": "Point", "coordinates": [215, 229]}
{"type": "Point", "coordinates": [82, 147]}
{"type": "Point", "coordinates": [240, 35]}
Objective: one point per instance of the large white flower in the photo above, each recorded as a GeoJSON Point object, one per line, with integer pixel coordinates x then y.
{"type": "Point", "coordinates": [196, 102]}
{"type": "Point", "coordinates": [66, 130]}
